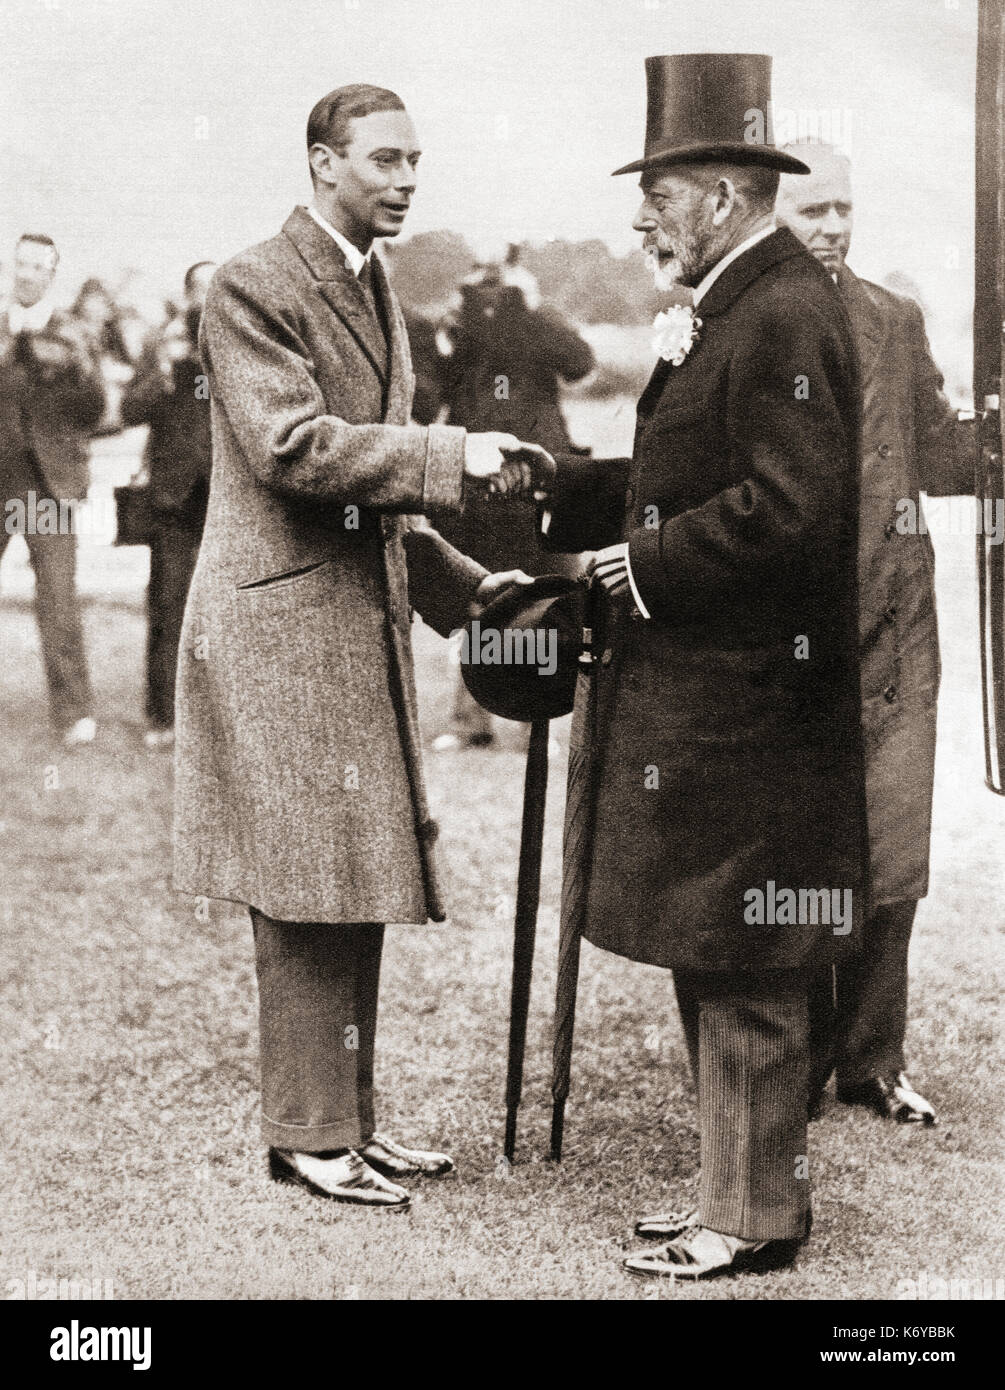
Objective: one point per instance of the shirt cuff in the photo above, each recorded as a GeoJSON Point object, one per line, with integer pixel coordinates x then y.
{"type": "Point", "coordinates": [631, 584]}
{"type": "Point", "coordinates": [545, 521]}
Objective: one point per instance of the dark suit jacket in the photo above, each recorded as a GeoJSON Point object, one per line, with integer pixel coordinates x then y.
{"type": "Point", "coordinates": [47, 412]}
{"type": "Point", "coordinates": [178, 449]}
{"type": "Point", "coordinates": [504, 374]}
{"type": "Point", "coordinates": [722, 762]}
{"type": "Point", "coordinates": [299, 783]}
{"type": "Point", "coordinates": [911, 441]}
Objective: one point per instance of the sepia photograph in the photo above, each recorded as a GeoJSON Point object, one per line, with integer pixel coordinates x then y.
{"type": "Point", "coordinates": [502, 600]}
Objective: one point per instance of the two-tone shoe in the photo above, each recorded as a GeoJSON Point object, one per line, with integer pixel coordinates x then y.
{"type": "Point", "coordinates": [891, 1096]}
{"type": "Point", "coordinates": [699, 1253]}
{"type": "Point", "coordinates": [340, 1177]}
{"type": "Point", "coordinates": [396, 1161]}
{"type": "Point", "coordinates": [666, 1225]}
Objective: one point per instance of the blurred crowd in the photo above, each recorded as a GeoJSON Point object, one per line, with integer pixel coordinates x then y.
{"type": "Point", "coordinates": [66, 376]}
{"type": "Point", "coordinates": [495, 360]}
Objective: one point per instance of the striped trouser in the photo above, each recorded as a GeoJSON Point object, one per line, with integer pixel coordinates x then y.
{"type": "Point", "coordinates": [748, 1040]}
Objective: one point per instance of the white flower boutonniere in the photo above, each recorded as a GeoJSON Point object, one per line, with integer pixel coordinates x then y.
{"type": "Point", "coordinates": [675, 332]}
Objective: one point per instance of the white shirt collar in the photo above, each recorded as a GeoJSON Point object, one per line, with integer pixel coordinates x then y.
{"type": "Point", "coordinates": [702, 289]}
{"type": "Point", "coordinates": [354, 256]}
{"type": "Point", "coordinates": [30, 320]}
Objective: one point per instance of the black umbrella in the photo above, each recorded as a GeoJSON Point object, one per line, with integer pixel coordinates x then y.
{"type": "Point", "coordinates": [576, 855]}
{"type": "Point", "coordinates": [528, 892]}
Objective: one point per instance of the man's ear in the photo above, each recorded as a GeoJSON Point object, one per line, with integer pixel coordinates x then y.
{"type": "Point", "coordinates": [324, 163]}
{"type": "Point", "coordinates": [725, 201]}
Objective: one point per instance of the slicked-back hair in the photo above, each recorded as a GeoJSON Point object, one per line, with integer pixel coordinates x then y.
{"type": "Point", "coordinates": [329, 121]}
{"type": "Point", "coordinates": [40, 239]}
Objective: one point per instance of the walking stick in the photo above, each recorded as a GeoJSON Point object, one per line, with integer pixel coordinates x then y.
{"type": "Point", "coordinates": [576, 855]}
{"type": "Point", "coordinates": [528, 892]}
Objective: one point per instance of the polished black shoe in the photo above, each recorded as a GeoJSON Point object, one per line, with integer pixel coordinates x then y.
{"type": "Point", "coordinates": [891, 1096]}
{"type": "Point", "coordinates": [341, 1177]}
{"type": "Point", "coordinates": [699, 1253]}
{"type": "Point", "coordinates": [395, 1161]}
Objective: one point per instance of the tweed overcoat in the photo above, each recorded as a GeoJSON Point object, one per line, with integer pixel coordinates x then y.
{"type": "Point", "coordinates": [298, 776]}
{"type": "Point", "coordinates": [911, 441]}
{"type": "Point", "coordinates": [724, 731]}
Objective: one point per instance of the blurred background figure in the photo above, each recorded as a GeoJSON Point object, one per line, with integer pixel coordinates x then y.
{"type": "Point", "coordinates": [97, 312]}
{"type": "Point", "coordinates": [502, 358]}
{"type": "Point", "coordinates": [170, 394]}
{"type": "Point", "coordinates": [51, 398]}
{"type": "Point", "coordinates": [912, 441]}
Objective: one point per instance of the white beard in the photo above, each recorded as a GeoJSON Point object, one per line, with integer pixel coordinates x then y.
{"type": "Point", "coordinates": [666, 276]}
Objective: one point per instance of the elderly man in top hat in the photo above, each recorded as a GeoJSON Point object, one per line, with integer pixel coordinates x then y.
{"type": "Point", "coordinates": [725, 790]}
{"type": "Point", "coordinates": [912, 440]}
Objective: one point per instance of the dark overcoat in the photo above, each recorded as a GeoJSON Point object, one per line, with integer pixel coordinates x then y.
{"type": "Point", "coordinates": [911, 441]}
{"type": "Point", "coordinates": [298, 777]}
{"type": "Point", "coordinates": [725, 729]}
{"type": "Point", "coordinates": [178, 451]}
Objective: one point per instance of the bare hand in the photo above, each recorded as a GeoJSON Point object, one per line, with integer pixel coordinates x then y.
{"type": "Point", "coordinates": [506, 465]}
{"type": "Point", "coordinates": [495, 584]}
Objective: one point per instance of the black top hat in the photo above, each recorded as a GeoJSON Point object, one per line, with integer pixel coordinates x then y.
{"type": "Point", "coordinates": [520, 655]}
{"type": "Point", "coordinates": [709, 107]}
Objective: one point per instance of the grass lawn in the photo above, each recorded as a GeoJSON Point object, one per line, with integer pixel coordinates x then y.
{"type": "Point", "coordinates": [128, 1097]}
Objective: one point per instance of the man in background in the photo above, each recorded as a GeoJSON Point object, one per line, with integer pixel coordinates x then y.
{"type": "Point", "coordinates": [507, 355]}
{"type": "Point", "coordinates": [170, 394]}
{"type": "Point", "coordinates": [911, 441]}
{"type": "Point", "coordinates": [51, 397]}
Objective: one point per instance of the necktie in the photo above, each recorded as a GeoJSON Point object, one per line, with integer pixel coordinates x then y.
{"type": "Point", "coordinates": [365, 278]}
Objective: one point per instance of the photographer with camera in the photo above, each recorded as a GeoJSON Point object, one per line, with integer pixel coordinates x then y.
{"type": "Point", "coordinates": [170, 394]}
{"type": "Point", "coordinates": [503, 357]}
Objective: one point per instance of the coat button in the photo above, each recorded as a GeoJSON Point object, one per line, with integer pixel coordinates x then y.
{"type": "Point", "coordinates": [605, 660]}
{"type": "Point", "coordinates": [890, 612]}
{"type": "Point", "coordinates": [890, 694]}
{"type": "Point", "coordinates": [889, 529]}
{"type": "Point", "coordinates": [884, 451]}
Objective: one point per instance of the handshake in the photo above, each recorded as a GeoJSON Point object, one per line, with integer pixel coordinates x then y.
{"type": "Point", "coordinates": [501, 463]}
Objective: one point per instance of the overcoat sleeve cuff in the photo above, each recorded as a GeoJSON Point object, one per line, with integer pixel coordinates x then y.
{"type": "Point", "coordinates": [646, 574]}
{"type": "Point", "coordinates": [443, 484]}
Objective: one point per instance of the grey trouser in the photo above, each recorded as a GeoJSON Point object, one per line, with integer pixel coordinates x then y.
{"type": "Point", "coordinates": [858, 1009]}
{"type": "Point", "coordinates": [748, 1041]}
{"type": "Point", "coordinates": [57, 612]}
{"type": "Point", "coordinates": [317, 992]}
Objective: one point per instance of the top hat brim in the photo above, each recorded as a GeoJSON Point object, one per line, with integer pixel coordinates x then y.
{"type": "Point", "coordinates": [717, 152]}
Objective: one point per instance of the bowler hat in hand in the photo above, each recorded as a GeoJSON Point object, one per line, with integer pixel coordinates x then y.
{"type": "Point", "coordinates": [519, 657]}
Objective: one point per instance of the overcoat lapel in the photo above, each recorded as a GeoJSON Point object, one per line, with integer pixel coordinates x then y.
{"type": "Point", "coordinates": [338, 285]}
{"type": "Point", "coordinates": [866, 321]}
{"type": "Point", "coordinates": [396, 395]}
